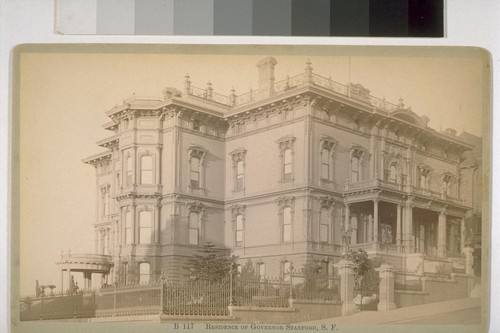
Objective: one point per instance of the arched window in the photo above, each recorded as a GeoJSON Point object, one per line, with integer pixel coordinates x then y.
{"type": "Point", "coordinates": [240, 180]}
{"type": "Point", "coordinates": [287, 164]}
{"type": "Point", "coordinates": [194, 223]}
{"type": "Point", "coordinates": [144, 273]}
{"type": "Point", "coordinates": [129, 227]}
{"type": "Point", "coordinates": [146, 169]}
{"type": "Point", "coordinates": [129, 170]}
{"type": "Point", "coordinates": [239, 230]}
{"type": "Point", "coordinates": [145, 222]}
{"type": "Point", "coordinates": [393, 173]}
{"type": "Point", "coordinates": [324, 227]}
{"type": "Point", "coordinates": [195, 172]}
{"type": "Point", "coordinates": [287, 224]}
{"type": "Point", "coordinates": [354, 169]}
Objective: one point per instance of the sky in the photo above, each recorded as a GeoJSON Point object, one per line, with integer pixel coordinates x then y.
{"type": "Point", "coordinates": [64, 97]}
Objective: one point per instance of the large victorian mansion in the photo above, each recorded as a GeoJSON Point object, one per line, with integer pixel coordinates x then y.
{"type": "Point", "coordinates": [279, 175]}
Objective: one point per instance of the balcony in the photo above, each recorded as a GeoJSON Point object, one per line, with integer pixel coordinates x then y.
{"type": "Point", "coordinates": [383, 184]}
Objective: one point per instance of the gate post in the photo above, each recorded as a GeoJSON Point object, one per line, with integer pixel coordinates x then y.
{"type": "Point", "coordinates": [346, 272]}
{"type": "Point", "coordinates": [386, 288]}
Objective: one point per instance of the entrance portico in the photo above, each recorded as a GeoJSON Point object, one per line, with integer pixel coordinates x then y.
{"type": "Point", "coordinates": [386, 222]}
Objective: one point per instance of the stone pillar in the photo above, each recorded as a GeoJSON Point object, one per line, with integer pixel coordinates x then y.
{"type": "Point", "coordinates": [469, 260]}
{"type": "Point", "coordinates": [346, 272]}
{"type": "Point", "coordinates": [62, 281]}
{"type": "Point", "coordinates": [441, 235]}
{"type": "Point", "coordinates": [386, 288]}
{"type": "Point", "coordinates": [398, 227]}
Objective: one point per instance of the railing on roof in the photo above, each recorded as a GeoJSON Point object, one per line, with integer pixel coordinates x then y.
{"type": "Point", "coordinates": [291, 82]}
{"type": "Point", "coordinates": [147, 98]}
{"type": "Point", "coordinates": [208, 94]}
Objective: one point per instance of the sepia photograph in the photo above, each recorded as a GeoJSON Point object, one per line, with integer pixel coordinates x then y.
{"type": "Point", "coordinates": [251, 188]}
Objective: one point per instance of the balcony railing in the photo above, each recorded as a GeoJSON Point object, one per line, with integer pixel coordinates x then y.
{"type": "Point", "coordinates": [371, 183]}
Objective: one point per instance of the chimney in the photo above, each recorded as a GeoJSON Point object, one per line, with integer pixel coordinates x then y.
{"type": "Point", "coordinates": [266, 77]}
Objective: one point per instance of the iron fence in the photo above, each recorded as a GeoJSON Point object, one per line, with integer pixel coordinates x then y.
{"type": "Point", "coordinates": [188, 298]}
{"type": "Point", "coordinates": [197, 298]}
{"type": "Point", "coordinates": [315, 287]}
{"type": "Point", "coordinates": [268, 292]}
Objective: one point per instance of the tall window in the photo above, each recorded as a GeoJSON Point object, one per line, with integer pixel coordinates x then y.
{"type": "Point", "coordinates": [287, 224]}
{"type": "Point", "coordinates": [240, 180]}
{"type": "Point", "coordinates": [261, 270]}
{"type": "Point", "coordinates": [393, 173]}
{"type": "Point", "coordinates": [124, 273]}
{"type": "Point", "coordinates": [286, 270]}
{"type": "Point", "coordinates": [129, 170]}
{"type": "Point", "coordinates": [354, 169]}
{"type": "Point", "coordinates": [196, 155]}
{"type": "Point", "coordinates": [145, 222]}
{"type": "Point", "coordinates": [239, 230]}
{"type": "Point", "coordinates": [286, 146]}
{"type": "Point", "coordinates": [144, 273]}
{"type": "Point", "coordinates": [287, 164]}
{"type": "Point", "coordinates": [325, 163]}
{"type": "Point", "coordinates": [324, 226]}
{"type": "Point", "coordinates": [425, 173]}
{"type": "Point", "coordinates": [238, 157]}
{"type": "Point", "coordinates": [423, 181]}
{"type": "Point", "coordinates": [146, 169]}
{"type": "Point", "coordinates": [194, 223]}
{"type": "Point", "coordinates": [129, 235]}
{"type": "Point", "coordinates": [195, 172]}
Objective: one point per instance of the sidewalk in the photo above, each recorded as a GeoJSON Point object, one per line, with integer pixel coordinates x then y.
{"type": "Point", "coordinates": [407, 314]}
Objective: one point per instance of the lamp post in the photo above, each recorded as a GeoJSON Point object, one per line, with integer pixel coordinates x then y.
{"type": "Point", "coordinates": [346, 240]}
{"type": "Point", "coordinates": [387, 242]}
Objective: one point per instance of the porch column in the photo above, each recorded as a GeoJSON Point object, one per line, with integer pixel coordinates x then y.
{"type": "Point", "coordinates": [398, 227]}
{"type": "Point", "coordinates": [442, 235]}
{"type": "Point", "coordinates": [375, 221]}
{"type": "Point", "coordinates": [408, 227]}
{"type": "Point", "coordinates": [462, 235]}
{"type": "Point", "coordinates": [62, 281]}
{"type": "Point", "coordinates": [370, 229]}
{"type": "Point", "coordinates": [347, 221]}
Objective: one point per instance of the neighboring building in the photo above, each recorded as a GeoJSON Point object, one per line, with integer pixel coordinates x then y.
{"type": "Point", "coordinates": [277, 175]}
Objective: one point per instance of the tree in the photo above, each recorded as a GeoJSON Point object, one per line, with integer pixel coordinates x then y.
{"type": "Point", "coordinates": [365, 275]}
{"type": "Point", "coordinates": [248, 272]}
{"type": "Point", "coordinates": [211, 263]}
